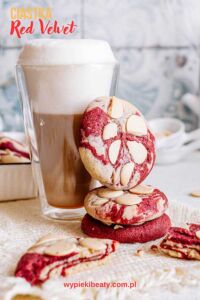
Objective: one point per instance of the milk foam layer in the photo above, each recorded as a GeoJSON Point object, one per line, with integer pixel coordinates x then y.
{"type": "Point", "coordinates": [61, 51]}
{"type": "Point", "coordinates": [63, 76]}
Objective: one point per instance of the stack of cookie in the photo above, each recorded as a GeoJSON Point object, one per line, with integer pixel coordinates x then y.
{"type": "Point", "coordinates": [118, 149]}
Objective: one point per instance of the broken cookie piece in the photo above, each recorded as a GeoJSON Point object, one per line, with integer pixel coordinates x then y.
{"type": "Point", "coordinates": [182, 243]}
{"type": "Point", "coordinates": [53, 257]}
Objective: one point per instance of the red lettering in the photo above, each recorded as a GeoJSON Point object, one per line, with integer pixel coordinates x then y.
{"type": "Point", "coordinates": [56, 28]}
{"type": "Point", "coordinates": [43, 28]}
{"type": "Point", "coordinates": [30, 29]}
{"type": "Point", "coordinates": [72, 27]}
{"type": "Point", "coordinates": [19, 30]}
{"type": "Point", "coordinates": [15, 28]}
{"type": "Point", "coordinates": [50, 29]}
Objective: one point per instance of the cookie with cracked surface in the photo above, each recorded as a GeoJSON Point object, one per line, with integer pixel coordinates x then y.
{"type": "Point", "coordinates": [116, 147]}
{"type": "Point", "coordinates": [133, 207]}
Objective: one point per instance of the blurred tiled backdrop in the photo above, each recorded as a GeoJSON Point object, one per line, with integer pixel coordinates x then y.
{"type": "Point", "coordinates": [156, 42]}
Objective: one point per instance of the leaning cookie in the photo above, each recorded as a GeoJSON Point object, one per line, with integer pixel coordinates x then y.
{"type": "Point", "coordinates": [146, 232]}
{"type": "Point", "coordinates": [136, 206]}
{"type": "Point", "coordinates": [182, 243]}
{"type": "Point", "coordinates": [53, 256]}
{"type": "Point", "coordinates": [116, 146]}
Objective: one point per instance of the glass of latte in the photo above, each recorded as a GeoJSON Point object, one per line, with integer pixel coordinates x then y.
{"type": "Point", "coordinates": [57, 79]}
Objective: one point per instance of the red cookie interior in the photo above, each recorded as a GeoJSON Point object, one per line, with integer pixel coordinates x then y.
{"type": "Point", "coordinates": [182, 243]}
{"type": "Point", "coordinates": [36, 266]}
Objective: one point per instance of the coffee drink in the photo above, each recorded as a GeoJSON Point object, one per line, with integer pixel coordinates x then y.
{"type": "Point", "coordinates": [60, 78]}
{"type": "Point", "coordinates": [64, 176]}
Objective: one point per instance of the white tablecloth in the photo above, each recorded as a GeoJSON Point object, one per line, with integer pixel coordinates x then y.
{"type": "Point", "coordinates": [21, 224]}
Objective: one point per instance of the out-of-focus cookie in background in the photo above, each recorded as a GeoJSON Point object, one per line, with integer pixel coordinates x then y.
{"type": "Point", "coordinates": [16, 180]}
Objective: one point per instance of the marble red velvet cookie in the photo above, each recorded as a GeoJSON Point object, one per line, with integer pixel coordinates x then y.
{"type": "Point", "coordinates": [55, 255]}
{"type": "Point", "coordinates": [12, 151]}
{"type": "Point", "coordinates": [182, 243]}
{"type": "Point", "coordinates": [116, 146]}
{"type": "Point", "coordinates": [135, 206]}
{"type": "Point", "coordinates": [146, 232]}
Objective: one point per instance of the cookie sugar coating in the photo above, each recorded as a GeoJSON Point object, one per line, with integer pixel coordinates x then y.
{"type": "Point", "coordinates": [133, 207]}
{"type": "Point", "coordinates": [116, 145]}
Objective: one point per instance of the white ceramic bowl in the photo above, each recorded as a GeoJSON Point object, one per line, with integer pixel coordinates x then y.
{"type": "Point", "coordinates": [177, 144]}
{"type": "Point", "coordinates": [175, 127]}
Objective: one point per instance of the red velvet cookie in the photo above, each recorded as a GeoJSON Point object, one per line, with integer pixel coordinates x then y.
{"type": "Point", "coordinates": [54, 256]}
{"type": "Point", "coordinates": [127, 233]}
{"type": "Point", "coordinates": [116, 147]}
{"type": "Point", "coordinates": [133, 207]}
{"type": "Point", "coordinates": [182, 243]}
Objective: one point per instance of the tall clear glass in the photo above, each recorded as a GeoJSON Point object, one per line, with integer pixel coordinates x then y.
{"type": "Point", "coordinates": [53, 99]}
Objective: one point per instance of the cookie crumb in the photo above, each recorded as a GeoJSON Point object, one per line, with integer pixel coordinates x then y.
{"type": "Point", "coordinates": [154, 248]}
{"type": "Point", "coordinates": [118, 226]}
{"type": "Point", "coordinates": [195, 194]}
{"type": "Point", "coordinates": [139, 252]}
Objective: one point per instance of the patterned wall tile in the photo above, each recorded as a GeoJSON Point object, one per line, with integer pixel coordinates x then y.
{"type": "Point", "coordinates": [143, 23]}
{"type": "Point", "coordinates": [63, 11]}
{"type": "Point", "coordinates": [156, 79]}
{"type": "Point", "coordinates": [10, 112]}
